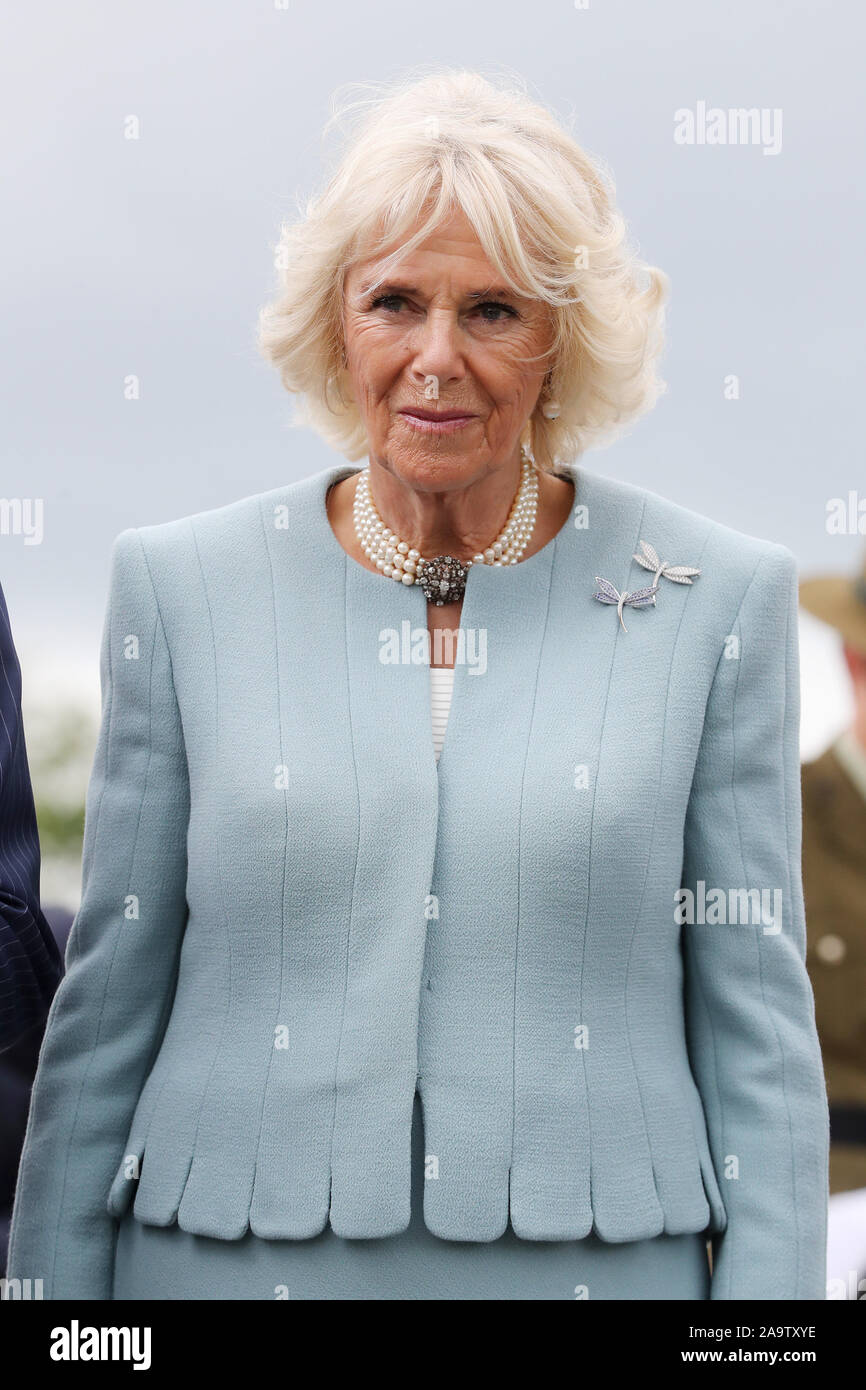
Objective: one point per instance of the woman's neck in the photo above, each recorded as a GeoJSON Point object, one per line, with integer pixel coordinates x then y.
{"type": "Point", "coordinates": [459, 521]}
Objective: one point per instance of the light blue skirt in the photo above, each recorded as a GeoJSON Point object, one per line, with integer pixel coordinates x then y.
{"type": "Point", "coordinates": [164, 1262]}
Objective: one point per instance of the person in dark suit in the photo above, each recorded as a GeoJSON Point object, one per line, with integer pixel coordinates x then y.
{"type": "Point", "coordinates": [17, 1069]}
{"type": "Point", "coordinates": [30, 961]}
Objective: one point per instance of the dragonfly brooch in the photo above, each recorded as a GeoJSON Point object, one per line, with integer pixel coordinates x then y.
{"type": "Point", "coordinates": [639, 598]}
{"type": "Point", "coordinates": [680, 574]}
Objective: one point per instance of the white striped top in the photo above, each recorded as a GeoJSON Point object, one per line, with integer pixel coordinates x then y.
{"type": "Point", "coordinates": [441, 686]}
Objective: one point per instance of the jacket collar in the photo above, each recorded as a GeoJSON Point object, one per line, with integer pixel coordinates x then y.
{"type": "Point", "coordinates": [502, 606]}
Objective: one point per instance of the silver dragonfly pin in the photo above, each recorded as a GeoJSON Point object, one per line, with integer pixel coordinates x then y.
{"type": "Point", "coordinates": [639, 598]}
{"type": "Point", "coordinates": [680, 574]}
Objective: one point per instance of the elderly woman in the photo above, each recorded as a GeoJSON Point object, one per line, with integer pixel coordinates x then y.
{"type": "Point", "coordinates": [532, 1021]}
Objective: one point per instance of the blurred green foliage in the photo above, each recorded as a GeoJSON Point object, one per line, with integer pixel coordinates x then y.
{"type": "Point", "coordinates": [60, 748]}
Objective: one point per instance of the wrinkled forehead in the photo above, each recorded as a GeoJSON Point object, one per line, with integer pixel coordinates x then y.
{"type": "Point", "coordinates": [451, 247]}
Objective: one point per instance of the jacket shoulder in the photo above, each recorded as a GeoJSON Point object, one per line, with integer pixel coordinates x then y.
{"type": "Point", "coordinates": [687, 537]}
{"type": "Point", "coordinates": [220, 532]}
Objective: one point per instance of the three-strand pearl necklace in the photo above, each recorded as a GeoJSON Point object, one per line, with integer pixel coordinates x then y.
{"type": "Point", "coordinates": [443, 577]}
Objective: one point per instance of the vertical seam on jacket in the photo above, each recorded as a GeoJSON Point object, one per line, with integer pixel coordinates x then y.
{"type": "Point", "coordinates": [221, 877]}
{"type": "Point", "coordinates": [719, 1097]}
{"type": "Point", "coordinates": [760, 934]}
{"type": "Point", "coordinates": [693, 974]}
{"type": "Point", "coordinates": [119, 930]}
{"type": "Point", "coordinates": [341, 1028]}
{"type": "Point", "coordinates": [696, 971]}
{"type": "Point", "coordinates": [652, 830]}
{"type": "Point", "coordinates": [554, 554]}
{"type": "Point", "coordinates": [596, 781]}
{"type": "Point", "coordinates": [165, 1012]}
{"type": "Point", "coordinates": [266, 1086]}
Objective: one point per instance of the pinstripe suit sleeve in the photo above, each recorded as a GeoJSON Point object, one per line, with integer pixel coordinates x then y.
{"type": "Point", "coordinates": [109, 1014]}
{"type": "Point", "coordinates": [749, 1005]}
{"type": "Point", "coordinates": [30, 960]}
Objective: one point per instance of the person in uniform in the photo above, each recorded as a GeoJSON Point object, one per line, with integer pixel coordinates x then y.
{"type": "Point", "coordinates": [834, 883]}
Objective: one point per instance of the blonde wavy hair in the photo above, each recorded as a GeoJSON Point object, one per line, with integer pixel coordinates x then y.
{"type": "Point", "coordinates": [543, 211]}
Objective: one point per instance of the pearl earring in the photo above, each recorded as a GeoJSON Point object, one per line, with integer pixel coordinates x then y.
{"type": "Point", "coordinates": [550, 410]}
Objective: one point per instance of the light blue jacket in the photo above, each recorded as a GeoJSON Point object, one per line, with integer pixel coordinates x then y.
{"type": "Point", "coordinates": [291, 916]}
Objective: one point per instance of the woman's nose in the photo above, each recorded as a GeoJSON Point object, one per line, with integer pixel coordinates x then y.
{"type": "Point", "coordinates": [438, 349]}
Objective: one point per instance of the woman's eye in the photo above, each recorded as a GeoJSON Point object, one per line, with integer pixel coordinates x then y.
{"type": "Point", "coordinates": [387, 301]}
{"type": "Point", "coordinates": [491, 311]}
{"type": "Point", "coordinates": [494, 304]}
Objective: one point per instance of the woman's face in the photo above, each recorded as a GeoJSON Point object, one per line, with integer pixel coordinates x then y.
{"type": "Point", "coordinates": [443, 334]}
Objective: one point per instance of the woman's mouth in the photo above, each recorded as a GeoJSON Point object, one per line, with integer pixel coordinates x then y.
{"type": "Point", "coordinates": [437, 421]}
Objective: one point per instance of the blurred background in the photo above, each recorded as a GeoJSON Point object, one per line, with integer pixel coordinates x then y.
{"type": "Point", "coordinates": [150, 155]}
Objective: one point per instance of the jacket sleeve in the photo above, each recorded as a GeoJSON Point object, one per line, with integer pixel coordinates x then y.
{"type": "Point", "coordinates": [108, 1016]}
{"type": "Point", "coordinates": [750, 1016]}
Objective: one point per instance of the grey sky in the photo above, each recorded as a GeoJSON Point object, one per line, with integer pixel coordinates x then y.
{"type": "Point", "coordinates": [153, 256]}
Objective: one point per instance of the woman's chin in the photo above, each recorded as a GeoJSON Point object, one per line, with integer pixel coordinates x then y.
{"type": "Point", "coordinates": [432, 464]}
